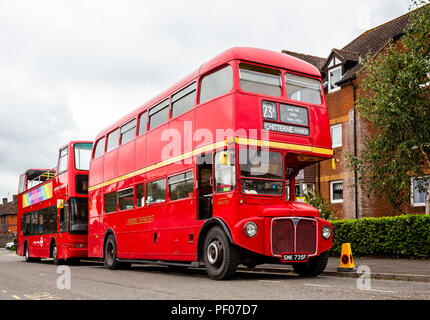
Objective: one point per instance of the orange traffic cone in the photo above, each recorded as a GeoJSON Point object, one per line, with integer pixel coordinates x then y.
{"type": "Point", "coordinates": [346, 260]}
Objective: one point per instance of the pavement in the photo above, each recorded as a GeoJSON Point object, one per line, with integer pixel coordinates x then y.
{"type": "Point", "coordinates": [377, 268]}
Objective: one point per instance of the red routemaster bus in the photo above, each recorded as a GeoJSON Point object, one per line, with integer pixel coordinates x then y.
{"type": "Point", "coordinates": [52, 213]}
{"type": "Point", "coordinates": [204, 172]}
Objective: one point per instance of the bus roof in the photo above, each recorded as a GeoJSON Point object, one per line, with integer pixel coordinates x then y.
{"type": "Point", "coordinates": [262, 56]}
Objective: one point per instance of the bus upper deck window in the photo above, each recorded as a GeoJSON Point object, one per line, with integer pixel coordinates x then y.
{"type": "Point", "coordinates": [303, 89]}
{"type": "Point", "coordinates": [260, 80]}
{"type": "Point", "coordinates": [100, 148]}
{"type": "Point", "coordinates": [83, 155]}
{"type": "Point", "coordinates": [62, 162]}
{"type": "Point", "coordinates": [216, 84]}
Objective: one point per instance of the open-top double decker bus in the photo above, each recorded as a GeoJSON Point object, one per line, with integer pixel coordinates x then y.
{"type": "Point", "coordinates": [52, 210]}
{"type": "Point", "coordinates": [205, 171]}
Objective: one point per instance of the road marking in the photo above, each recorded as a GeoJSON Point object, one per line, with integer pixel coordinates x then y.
{"type": "Point", "coordinates": [41, 296]}
{"type": "Point", "coordinates": [270, 281]}
{"type": "Point", "coordinates": [15, 297]}
{"type": "Point", "coordinates": [376, 290]}
{"type": "Point", "coordinates": [3, 291]}
{"type": "Point", "coordinates": [317, 285]}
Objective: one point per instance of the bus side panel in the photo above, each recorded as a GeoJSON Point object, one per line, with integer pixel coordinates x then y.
{"type": "Point", "coordinates": [155, 147]}
{"type": "Point", "coordinates": [182, 215]}
{"type": "Point", "coordinates": [123, 225]}
{"type": "Point", "coordinates": [181, 224]}
{"type": "Point", "coordinates": [157, 239]}
{"type": "Point", "coordinates": [140, 144]}
{"type": "Point", "coordinates": [321, 135]}
{"type": "Point", "coordinates": [110, 165]}
{"type": "Point", "coordinates": [126, 158]}
{"type": "Point", "coordinates": [212, 116]}
{"type": "Point", "coordinates": [96, 172]}
{"type": "Point", "coordinates": [95, 238]}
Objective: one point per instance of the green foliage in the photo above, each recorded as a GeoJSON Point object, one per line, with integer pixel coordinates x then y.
{"type": "Point", "coordinates": [397, 105]}
{"type": "Point", "coordinates": [316, 200]}
{"type": "Point", "coordinates": [399, 236]}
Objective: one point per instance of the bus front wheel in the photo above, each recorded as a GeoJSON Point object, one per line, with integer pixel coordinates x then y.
{"type": "Point", "coordinates": [27, 254]}
{"type": "Point", "coordinates": [54, 254]}
{"type": "Point", "coordinates": [313, 267]}
{"type": "Point", "coordinates": [220, 255]}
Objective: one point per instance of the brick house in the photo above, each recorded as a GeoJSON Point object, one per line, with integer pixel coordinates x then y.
{"type": "Point", "coordinates": [8, 223]}
{"type": "Point", "coordinates": [342, 78]}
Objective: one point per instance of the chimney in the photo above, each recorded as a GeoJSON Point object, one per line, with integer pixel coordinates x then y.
{"type": "Point", "coordinates": [4, 200]}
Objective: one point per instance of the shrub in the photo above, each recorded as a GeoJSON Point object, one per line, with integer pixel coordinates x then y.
{"type": "Point", "coordinates": [316, 200]}
{"type": "Point", "coordinates": [399, 236]}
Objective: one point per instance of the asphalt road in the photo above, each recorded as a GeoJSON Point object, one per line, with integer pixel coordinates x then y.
{"type": "Point", "coordinates": [20, 280]}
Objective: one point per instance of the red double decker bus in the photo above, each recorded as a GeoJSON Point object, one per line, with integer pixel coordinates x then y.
{"type": "Point", "coordinates": [205, 171]}
{"type": "Point", "coordinates": [52, 212]}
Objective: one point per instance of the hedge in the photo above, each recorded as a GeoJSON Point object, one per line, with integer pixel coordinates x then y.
{"type": "Point", "coordinates": [399, 236]}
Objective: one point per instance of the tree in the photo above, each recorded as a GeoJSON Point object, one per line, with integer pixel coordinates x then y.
{"type": "Point", "coordinates": [396, 103]}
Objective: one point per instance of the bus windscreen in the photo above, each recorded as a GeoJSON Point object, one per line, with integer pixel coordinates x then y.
{"type": "Point", "coordinates": [83, 156]}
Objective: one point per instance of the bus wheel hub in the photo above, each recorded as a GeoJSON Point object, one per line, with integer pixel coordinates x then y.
{"type": "Point", "coordinates": [214, 252]}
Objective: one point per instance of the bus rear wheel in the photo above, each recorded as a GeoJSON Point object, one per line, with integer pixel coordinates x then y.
{"type": "Point", "coordinates": [313, 267]}
{"type": "Point", "coordinates": [110, 258]}
{"type": "Point", "coordinates": [220, 255]}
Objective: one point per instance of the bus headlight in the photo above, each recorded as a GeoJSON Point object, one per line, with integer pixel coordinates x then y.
{"type": "Point", "coordinates": [250, 229]}
{"type": "Point", "coordinates": [326, 232]}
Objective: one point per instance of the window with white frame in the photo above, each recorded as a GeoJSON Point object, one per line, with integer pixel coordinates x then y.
{"type": "Point", "coordinates": [336, 135]}
{"type": "Point", "coordinates": [336, 191]}
{"type": "Point", "coordinates": [419, 188]}
{"type": "Point", "coordinates": [334, 76]}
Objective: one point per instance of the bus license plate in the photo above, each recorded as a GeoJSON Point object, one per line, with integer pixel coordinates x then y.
{"type": "Point", "coordinates": [294, 257]}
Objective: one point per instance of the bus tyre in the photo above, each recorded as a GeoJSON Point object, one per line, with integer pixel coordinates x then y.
{"type": "Point", "coordinates": [220, 256]}
{"type": "Point", "coordinates": [110, 259]}
{"type": "Point", "coordinates": [27, 255]}
{"type": "Point", "coordinates": [313, 267]}
{"type": "Point", "coordinates": [54, 254]}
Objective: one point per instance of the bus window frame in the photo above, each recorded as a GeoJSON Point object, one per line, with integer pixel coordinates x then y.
{"type": "Point", "coordinates": [60, 157]}
{"type": "Point", "coordinates": [95, 147]}
{"type": "Point", "coordinates": [160, 106]}
{"type": "Point", "coordinates": [166, 198]}
{"type": "Point", "coordinates": [104, 202]}
{"type": "Point", "coordinates": [74, 155]}
{"type": "Point", "coordinates": [189, 89]}
{"type": "Point", "coordinates": [138, 134]}
{"type": "Point", "coordinates": [107, 140]}
{"type": "Point", "coordinates": [281, 75]}
{"type": "Point", "coordinates": [118, 200]}
{"type": "Point", "coordinates": [179, 173]}
{"type": "Point", "coordinates": [121, 143]}
{"type": "Point", "coordinates": [235, 74]}
{"type": "Point", "coordinates": [240, 177]}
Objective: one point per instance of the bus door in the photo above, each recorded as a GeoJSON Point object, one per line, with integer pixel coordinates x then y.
{"type": "Point", "coordinates": [62, 223]}
{"type": "Point", "coordinates": [204, 186]}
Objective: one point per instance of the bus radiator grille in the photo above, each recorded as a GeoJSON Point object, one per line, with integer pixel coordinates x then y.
{"type": "Point", "coordinates": [287, 237]}
{"type": "Point", "coordinates": [282, 236]}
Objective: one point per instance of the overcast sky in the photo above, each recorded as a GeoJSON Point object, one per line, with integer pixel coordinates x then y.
{"type": "Point", "coordinates": [68, 69]}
